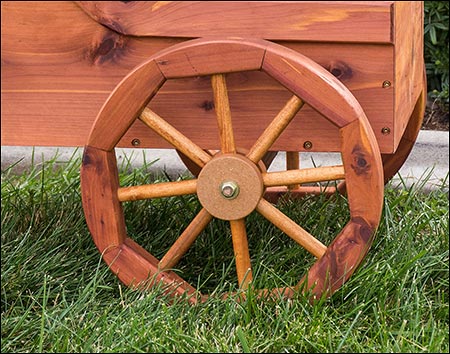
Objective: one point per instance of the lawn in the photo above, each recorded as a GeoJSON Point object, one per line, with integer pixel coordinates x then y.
{"type": "Point", "coordinates": [59, 296]}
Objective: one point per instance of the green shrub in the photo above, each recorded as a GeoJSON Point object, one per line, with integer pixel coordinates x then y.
{"type": "Point", "coordinates": [436, 49]}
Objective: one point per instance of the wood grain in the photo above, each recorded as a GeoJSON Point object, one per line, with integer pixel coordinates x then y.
{"type": "Point", "coordinates": [293, 163]}
{"type": "Point", "coordinates": [305, 175]}
{"type": "Point", "coordinates": [241, 253]}
{"type": "Point", "coordinates": [273, 194]}
{"type": "Point", "coordinates": [185, 241]}
{"type": "Point", "coordinates": [99, 184]}
{"type": "Point", "coordinates": [409, 62]}
{"type": "Point", "coordinates": [137, 267]}
{"type": "Point", "coordinates": [211, 56]}
{"type": "Point", "coordinates": [124, 105]}
{"type": "Point", "coordinates": [350, 21]}
{"type": "Point", "coordinates": [93, 59]}
{"type": "Point", "coordinates": [361, 158]}
{"type": "Point", "coordinates": [340, 261]}
{"type": "Point", "coordinates": [133, 265]}
{"type": "Point", "coordinates": [174, 137]}
{"type": "Point", "coordinates": [222, 107]}
{"type": "Point", "coordinates": [157, 190]}
{"type": "Point", "coordinates": [363, 172]}
{"type": "Point", "coordinates": [312, 84]}
{"type": "Point", "coordinates": [364, 182]}
{"type": "Point", "coordinates": [276, 127]}
{"type": "Point", "coordinates": [393, 162]}
{"type": "Point", "coordinates": [291, 229]}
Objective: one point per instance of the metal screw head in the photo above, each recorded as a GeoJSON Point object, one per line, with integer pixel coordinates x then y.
{"type": "Point", "coordinates": [307, 145]}
{"type": "Point", "coordinates": [385, 130]}
{"type": "Point", "coordinates": [386, 84]}
{"type": "Point", "coordinates": [135, 142]}
{"type": "Point", "coordinates": [229, 189]}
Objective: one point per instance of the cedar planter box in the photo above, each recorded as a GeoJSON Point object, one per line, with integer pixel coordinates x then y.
{"type": "Point", "coordinates": [246, 78]}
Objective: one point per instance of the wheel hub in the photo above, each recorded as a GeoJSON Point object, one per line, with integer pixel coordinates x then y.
{"type": "Point", "coordinates": [230, 186]}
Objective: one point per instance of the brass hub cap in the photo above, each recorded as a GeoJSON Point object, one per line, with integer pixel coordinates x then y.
{"type": "Point", "coordinates": [230, 186]}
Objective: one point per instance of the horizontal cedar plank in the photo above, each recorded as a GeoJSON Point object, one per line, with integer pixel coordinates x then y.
{"type": "Point", "coordinates": [187, 110]}
{"type": "Point", "coordinates": [251, 112]}
{"type": "Point", "coordinates": [26, 23]}
{"type": "Point", "coordinates": [48, 118]}
{"type": "Point", "coordinates": [357, 66]}
{"type": "Point", "coordinates": [337, 21]}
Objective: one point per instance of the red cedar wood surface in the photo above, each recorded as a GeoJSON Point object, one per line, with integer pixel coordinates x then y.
{"type": "Point", "coordinates": [54, 85]}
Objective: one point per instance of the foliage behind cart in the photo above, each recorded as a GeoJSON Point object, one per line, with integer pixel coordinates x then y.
{"type": "Point", "coordinates": [437, 48]}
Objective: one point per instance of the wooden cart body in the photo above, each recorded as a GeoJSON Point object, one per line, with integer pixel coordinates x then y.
{"type": "Point", "coordinates": [208, 78]}
{"type": "Point", "coordinates": [61, 60]}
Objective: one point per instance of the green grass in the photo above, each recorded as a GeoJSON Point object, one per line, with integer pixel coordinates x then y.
{"type": "Point", "coordinates": [58, 296]}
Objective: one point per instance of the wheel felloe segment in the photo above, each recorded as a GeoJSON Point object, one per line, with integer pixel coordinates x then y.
{"type": "Point", "coordinates": [364, 179]}
{"type": "Point", "coordinates": [231, 184]}
{"type": "Point", "coordinates": [132, 264]}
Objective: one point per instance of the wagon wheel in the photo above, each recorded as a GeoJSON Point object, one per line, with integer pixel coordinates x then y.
{"type": "Point", "coordinates": [223, 192]}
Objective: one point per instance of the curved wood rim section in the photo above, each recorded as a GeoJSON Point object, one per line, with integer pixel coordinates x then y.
{"type": "Point", "coordinates": [313, 84]}
{"type": "Point", "coordinates": [99, 182]}
{"type": "Point", "coordinates": [364, 181]}
{"type": "Point", "coordinates": [133, 265]}
{"type": "Point", "coordinates": [340, 260]}
{"type": "Point", "coordinates": [124, 104]}
{"type": "Point", "coordinates": [306, 79]}
{"type": "Point", "coordinates": [207, 56]}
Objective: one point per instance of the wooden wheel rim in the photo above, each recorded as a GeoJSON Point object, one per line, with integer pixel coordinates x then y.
{"type": "Point", "coordinates": [360, 155]}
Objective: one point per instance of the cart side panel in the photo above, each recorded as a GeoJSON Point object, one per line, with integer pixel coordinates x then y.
{"type": "Point", "coordinates": [59, 66]}
{"type": "Point", "coordinates": [409, 62]}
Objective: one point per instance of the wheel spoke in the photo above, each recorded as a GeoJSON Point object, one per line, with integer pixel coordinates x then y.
{"type": "Point", "coordinates": [272, 194]}
{"type": "Point", "coordinates": [222, 105]}
{"type": "Point", "coordinates": [186, 239]}
{"type": "Point", "coordinates": [157, 190]}
{"type": "Point", "coordinates": [290, 228]}
{"type": "Point", "coordinates": [306, 175]}
{"type": "Point", "coordinates": [293, 163]}
{"type": "Point", "coordinates": [241, 253]}
{"type": "Point", "coordinates": [174, 137]}
{"type": "Point", "coordinates": [274, 129]}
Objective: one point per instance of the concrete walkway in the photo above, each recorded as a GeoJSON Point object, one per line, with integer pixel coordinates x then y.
{"type": "Point", "coordinates": [429, 159]}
